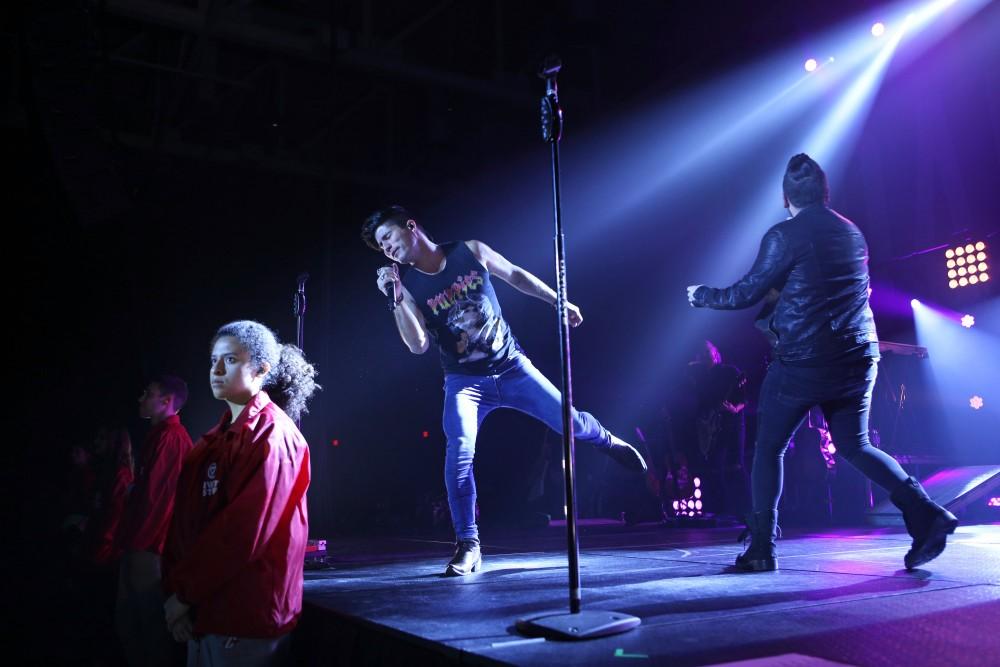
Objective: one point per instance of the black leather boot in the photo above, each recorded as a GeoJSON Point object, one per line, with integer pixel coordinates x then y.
{"type": "Point", "coordinates": [928, 523]}
{"type": "Point", "coordinates": [760, 555]}
{"type": "Point", "coordinates": [468, 559]}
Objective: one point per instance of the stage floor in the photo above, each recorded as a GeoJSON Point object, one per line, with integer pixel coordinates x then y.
{"type": "Point", "coordinates": [840, 597]}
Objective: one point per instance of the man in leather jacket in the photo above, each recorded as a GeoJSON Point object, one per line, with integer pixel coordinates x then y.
{"type": "Point", "coordinates": [826, 354]}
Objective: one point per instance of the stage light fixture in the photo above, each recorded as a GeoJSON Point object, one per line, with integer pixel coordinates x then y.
{"type": "Point", "coordinates": [691, 506]}
{"type": "Point", "coordinates": [811, 65]}
{"type": "Point", "coordinates": [968, 321]}
{"type": "Point", "coordinates": [914, 303]}
{"type": "Point", "coordinates": [976, 402]}
{"type": "Point", "coordinates": [878, 29]}
{"type": "Point", "coordinates": [966, 264]}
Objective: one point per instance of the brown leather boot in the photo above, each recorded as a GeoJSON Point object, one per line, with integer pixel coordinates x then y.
{"type": "Point", "coordinates": [468, 559]}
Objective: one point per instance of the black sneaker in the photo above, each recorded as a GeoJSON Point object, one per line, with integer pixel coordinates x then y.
{"type": "Point", "coordinates": [468, 559]}
{"type": "Point", "coordinates": [625, 454]}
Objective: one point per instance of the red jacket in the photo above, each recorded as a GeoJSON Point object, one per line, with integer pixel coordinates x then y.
{"type": "Point", "coordinates": [151, 502]}
{"type": "Point", "coordinates": [102, 524]}
{"type": "Point", "coordinates": [237, 541]}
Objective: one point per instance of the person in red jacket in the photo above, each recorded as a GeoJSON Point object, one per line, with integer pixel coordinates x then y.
{"type": "Point", "coordinates": [95, 569]}
{"type": "Point", "coordinates": [143, 531]}
{"type": "Point", "coordinates": [113, 452]}
{"type": "Point", "coordinates": [236, 548]}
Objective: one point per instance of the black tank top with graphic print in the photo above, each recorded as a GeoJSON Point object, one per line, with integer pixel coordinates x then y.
{"type": "Point", "coordinates": [462, 314]}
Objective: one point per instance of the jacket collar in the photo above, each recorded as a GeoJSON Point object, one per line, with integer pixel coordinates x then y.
{"type": "Point", "coordinates": [249, 412]}
{"type": "Point", "coordinates": [162, 425]}
{"type": "Point", "coordinates": [811, 207]}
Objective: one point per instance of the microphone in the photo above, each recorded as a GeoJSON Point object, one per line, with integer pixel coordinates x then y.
{"type": "Point", "coordinates": [299, 308]}
{"type": "Point", "coordinates": [390, 292]}
{"type": "Point", "coordinates": [550, 67]}
{"type": "Point", "coordinates": [550, 110]}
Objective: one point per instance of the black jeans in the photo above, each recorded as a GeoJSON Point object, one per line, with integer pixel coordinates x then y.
{"type": "Point", "coordinates": [844, 392]}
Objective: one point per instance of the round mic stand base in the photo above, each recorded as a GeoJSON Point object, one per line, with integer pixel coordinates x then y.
{"type": "Point", "coordinates": [587, 624]}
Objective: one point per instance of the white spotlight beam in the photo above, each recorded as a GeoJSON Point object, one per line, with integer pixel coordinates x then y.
{"type": "Point", "coordinates": [832, 139]}
{"type": "Point", "coordinates": [834, 135]}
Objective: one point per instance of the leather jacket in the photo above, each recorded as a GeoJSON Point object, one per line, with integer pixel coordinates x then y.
{"type": "Point", "coordinates": [818, 263]}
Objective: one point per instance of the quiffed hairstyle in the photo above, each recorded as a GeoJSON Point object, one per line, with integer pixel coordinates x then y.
{"type": "Point", "coordinates": [172, 385]}
{"type": "Point", "coordinates": [291, 382]}
{"type": "Point", "coordinates": [390, 215]}
{"type": "Point", "coordinates": [805, 182]}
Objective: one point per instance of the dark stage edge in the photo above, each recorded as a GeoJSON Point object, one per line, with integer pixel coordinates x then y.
{"type": "Point", "coordinates": [840, 597]}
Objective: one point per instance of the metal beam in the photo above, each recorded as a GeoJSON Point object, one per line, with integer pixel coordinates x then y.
{"type": "Point", "coordinates": [142, 64]}
{"type": "Point", "coordinates": [314, 48]}
{"type": "Point", "coordinates": [257, 160]}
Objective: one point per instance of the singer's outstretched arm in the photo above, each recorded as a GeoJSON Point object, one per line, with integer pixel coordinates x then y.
{"type": "Point", "coordinates": [769, 270]}
{"type": "Point", "coordinates": [519, 278]}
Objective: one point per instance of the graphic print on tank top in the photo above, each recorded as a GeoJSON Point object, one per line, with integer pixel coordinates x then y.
{"type": "Point", "coordinates": [478, 330]}
{"type": "Point", "coordinates": [462, 313]}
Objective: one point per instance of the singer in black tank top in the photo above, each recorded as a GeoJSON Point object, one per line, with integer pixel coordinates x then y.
{"type": "Point", "coordinates": [447, 298]}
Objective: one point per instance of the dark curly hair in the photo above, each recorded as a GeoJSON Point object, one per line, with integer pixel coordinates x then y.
{"type": "Point", "coordinates": [390, 215]}
{"type": "Point", "coordinates": [291, 382]}
{"type": "Point", "coordinates": [117, 448]}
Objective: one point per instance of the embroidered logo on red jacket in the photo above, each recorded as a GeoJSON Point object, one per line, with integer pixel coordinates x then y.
{"type": "Point", "coordinates": [211, 485]}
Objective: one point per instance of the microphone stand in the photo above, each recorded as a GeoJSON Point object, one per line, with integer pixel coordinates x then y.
{"type": "Point", "coordinates": [299, 310]}
{"type": "Point", "coordinates": [577, 624]}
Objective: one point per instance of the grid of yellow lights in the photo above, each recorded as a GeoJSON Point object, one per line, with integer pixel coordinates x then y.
{"type": "Point", "coordinates": [967, 265]}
